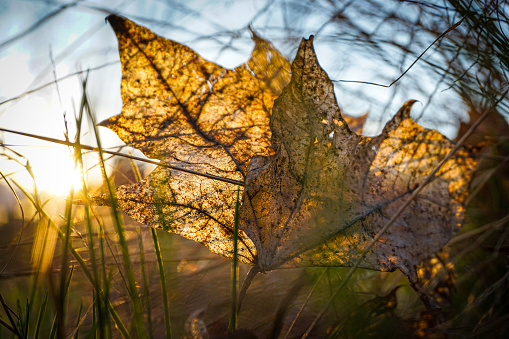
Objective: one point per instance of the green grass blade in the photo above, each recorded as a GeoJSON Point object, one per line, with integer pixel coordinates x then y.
{"type": "Point", "coordinates": [136, 170]}
{"type": "Point", "coordinates": [162, 278]}
{"type": "Point", "coordinates": [78, 318]}
{"type": "Point", "coordinates": [60, 234]}
{"type": "Point", "coordinates": [119, 225]}
{"type": "Point", "coordinates": [105, 279]}
{"type": "Point", "coordinates": [64, 267]}
{"type": "Point", "coordinates": [26, 325]}
{"type": "Point", "coordinates": [146, 286]}
{"type": "Point", "coordinates": [83, 265]}
{"type": "Point", "coordinates": [100, 305]}
{"type": "Point", "coordinates": [93, 330]}
{"type": "Point", "coordinates": [235, 267]}
{"type": "Point", "coordinates": [40, 315]}
{"type": "Point", "coordinates": [118, 322]}
{"type": "Point", "coordinates": [53, 331]}
{"type": "Point", "coordinates": [62, 297]}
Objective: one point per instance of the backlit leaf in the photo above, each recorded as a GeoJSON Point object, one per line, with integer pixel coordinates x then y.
{"type": "Point", "coordinates": [326, 192]}
{"type": "Point", "coordinates": [191, 113]}
{"type": "Point", "coordinates": [316, 193]}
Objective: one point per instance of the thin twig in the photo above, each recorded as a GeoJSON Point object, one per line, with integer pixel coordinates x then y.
{"type": "Point", "coordinates": [38, 24]}
{"type": "Point", "coordinates": [162, 164]}
{"type": "Point", "coordinates": [413, 63]}
{"type": "Point", "coordinates": [57, 80]}
{"type": "Point", "coordinates": [304, 304]}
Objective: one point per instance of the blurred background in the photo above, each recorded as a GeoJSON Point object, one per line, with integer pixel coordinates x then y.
{"type": "Point", "coordinates": [452, 56]}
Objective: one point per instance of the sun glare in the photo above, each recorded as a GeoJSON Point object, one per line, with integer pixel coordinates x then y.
{"type": "Point", "coordinates": [54, 170]}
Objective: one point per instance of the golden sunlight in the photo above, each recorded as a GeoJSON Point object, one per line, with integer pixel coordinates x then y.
{"type": "Point", "coordinates": [54, 169]}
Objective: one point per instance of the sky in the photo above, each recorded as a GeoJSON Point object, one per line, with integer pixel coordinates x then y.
{"type": "Point", "coordinates": [41, 41]}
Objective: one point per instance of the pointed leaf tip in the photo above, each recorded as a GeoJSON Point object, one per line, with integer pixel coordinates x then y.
{"type": "Point", "coordinates": [403, 114]}
{"type": "Point", "coordinates": [114, 20]}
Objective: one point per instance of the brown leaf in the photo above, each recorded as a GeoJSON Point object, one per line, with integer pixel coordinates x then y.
{"type": "Point", "coordinates": [326, 192]}
{"type": "Point", "coordinates": [316, 193]}
{"type": "Point", "coordinates": [191, 113]}
{"type": "Point", "coordinates": [436, 275]}
{"type": "Point", "coordinates": [355, 124]}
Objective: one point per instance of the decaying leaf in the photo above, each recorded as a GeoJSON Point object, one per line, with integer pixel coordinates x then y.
{"type": "Point", "coordinates": [315, 192]}
{"type": "Point", "coordinates": [355, 124]}
{"type": "Point", "coordinates": [437, 276]}
{"type": "Point", "coordinates": [191, 113]}
{"type": "Point", "coordinates": [327, 191]}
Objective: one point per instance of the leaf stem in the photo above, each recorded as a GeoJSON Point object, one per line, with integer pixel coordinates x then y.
{"type": "Point", "coordinates": [245, 285]}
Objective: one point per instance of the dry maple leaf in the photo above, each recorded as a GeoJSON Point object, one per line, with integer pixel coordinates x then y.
{"type": "Point", "coordinates": [327, 192]}
{"type": "Point", "coordinates": [315, 192]}
{"type": "Point", "coordinates": [195, 115]}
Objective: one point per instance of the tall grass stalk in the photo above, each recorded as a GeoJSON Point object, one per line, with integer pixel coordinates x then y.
{"type": "Point", "coordinates": [77, 326]}
{"type": "Point", "coordinates": [166, 306]}
{"type": "Point", "coordinates": [160, 266]}
{"type": "Point", "coordinates": [58, 327]}
{"type": "Point", "coordinates": [106, 280]}
{"type": "Point", "coordinates": [25, 325]}
{"type": "Point", "coordinates": [119, 225]}
{"type": "Point", "coordinates": [120, 325]}
{"type": "Point", "coordinates": [64, 282]}
{"type": "Point", "coordinates": [40, 316]}
{"type": "Point", "coordinates": [92, 332]}
{"type": "Point", "coordinates": [100, 305]}
{"type": "Point", "coordinates": [235, 267]}
{"type": "Point", "coordinates": [146, 286]}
